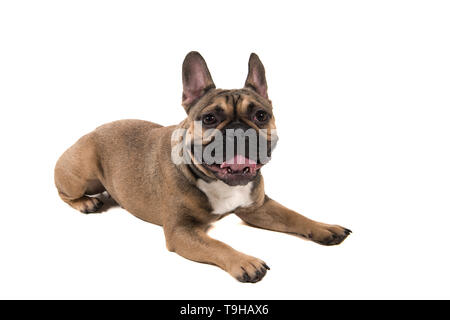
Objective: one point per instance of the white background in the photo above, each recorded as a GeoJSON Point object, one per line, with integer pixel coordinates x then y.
{"type": "Point", "coordinates": [362, 102]}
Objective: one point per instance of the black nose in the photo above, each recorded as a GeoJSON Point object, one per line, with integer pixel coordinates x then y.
{"type": "Point", "coordinates": [236, 125]}
{"type": "Point", "coordinates": [237, 135]}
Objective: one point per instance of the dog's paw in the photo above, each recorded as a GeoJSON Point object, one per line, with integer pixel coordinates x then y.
{"type": "Point", "coordinates": [327, 234]}
{"type": "Point", "coordinates": [91, 205]}
{"type": "Point", "coordinates": [86, 204]}
{"type": "Point", "coordinates": [248, 269]}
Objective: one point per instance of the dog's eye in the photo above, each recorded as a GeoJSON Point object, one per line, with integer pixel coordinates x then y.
{"type": "Point", "coordinates": [261, 116]}
{"type": "Point", "coordinates": [209, 119]}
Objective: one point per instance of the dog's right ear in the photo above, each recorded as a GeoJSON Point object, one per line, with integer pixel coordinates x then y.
{"type": "Point", "coordinates": [196, 79]}
{"type": "Point", "coordinates": [256, 79]}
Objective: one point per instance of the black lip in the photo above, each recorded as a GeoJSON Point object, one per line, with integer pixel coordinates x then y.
{"type": "Point", "coordinates": [234, 178]}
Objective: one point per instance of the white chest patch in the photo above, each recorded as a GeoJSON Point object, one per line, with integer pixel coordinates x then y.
{"type": "Point", "coordinates": [224, 198]}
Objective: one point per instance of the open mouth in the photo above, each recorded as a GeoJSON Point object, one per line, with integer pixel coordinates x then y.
{"type": "Point", "coordinates": [238, 169]}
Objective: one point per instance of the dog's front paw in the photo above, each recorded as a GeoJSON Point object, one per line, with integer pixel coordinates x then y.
{"type": "Point", "coordinates": [248, 269]}
{"type": "Point", "coordinates": [327, 234]}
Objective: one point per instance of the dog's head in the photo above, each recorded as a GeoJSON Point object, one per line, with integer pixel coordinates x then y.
{"type": "Point", "coordinates": [230, 133]}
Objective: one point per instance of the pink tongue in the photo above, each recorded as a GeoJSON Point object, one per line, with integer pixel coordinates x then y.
{"type": "Point", "coordinates": [239, 163]}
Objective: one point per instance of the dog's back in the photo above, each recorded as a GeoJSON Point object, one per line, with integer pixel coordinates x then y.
{"type": "Point", "coordinates": [114, 157]}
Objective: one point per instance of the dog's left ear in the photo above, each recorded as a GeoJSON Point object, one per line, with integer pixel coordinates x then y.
{"type": "Point", "coordinates": [196, 79]}
{"type": "Point", "coordinates": [256, 79]}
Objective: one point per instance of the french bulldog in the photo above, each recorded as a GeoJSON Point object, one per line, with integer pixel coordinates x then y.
{"type": "Point", "coordinates": [185, 177]}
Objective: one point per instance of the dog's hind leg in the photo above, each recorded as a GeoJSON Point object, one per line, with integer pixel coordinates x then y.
{"type": "Point", "coordinates": [76, 176]}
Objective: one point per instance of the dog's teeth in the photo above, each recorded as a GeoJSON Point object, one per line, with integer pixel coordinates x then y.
{"type": "Point", "coordinates": [229, 170]}
{"type": "Point", "coordinates": [246, 169]}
